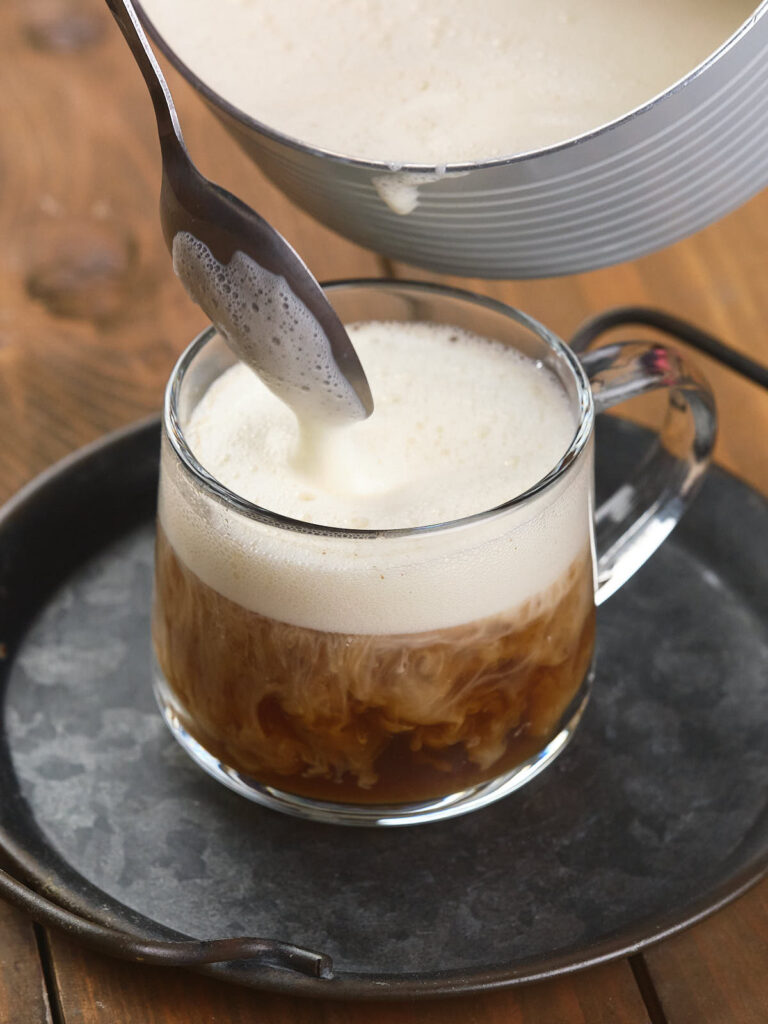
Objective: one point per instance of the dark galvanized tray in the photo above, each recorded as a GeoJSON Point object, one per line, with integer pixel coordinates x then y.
{"type": "Point", "coordinates": [655, 815]}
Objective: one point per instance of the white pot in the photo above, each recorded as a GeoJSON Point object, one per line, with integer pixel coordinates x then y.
{"type": "Point", "coordinates": [663, 171]}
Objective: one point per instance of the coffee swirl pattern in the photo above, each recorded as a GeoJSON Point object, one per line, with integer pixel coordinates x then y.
{"type": "Point", "coordinates": [368, 718]}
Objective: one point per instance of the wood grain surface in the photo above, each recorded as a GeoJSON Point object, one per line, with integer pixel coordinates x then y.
{"type": "Point", "coordinates": [23, 991]}
{"type": "Point", "coordinates": [717, 970]}
{"type": "Point", "coordinates": [97, 990]}
{"type": "Point", "coordinates": [91, 320]}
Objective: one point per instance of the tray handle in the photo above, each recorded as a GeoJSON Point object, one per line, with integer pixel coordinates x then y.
{"type": "Point", "coordinates": [173, 953]}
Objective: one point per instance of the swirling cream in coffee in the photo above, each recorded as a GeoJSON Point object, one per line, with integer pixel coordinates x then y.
{"type": "Point", "coordinates": [380, 668]}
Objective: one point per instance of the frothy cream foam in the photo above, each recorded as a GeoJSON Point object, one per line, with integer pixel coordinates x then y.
{"type": "Point", "coordinates": [461, 425]}
{"type": "Point", "coordinates": [441, 81]}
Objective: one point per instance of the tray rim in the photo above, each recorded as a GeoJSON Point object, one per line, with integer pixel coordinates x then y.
{"type": "Point", "coordinates": [103, 909]}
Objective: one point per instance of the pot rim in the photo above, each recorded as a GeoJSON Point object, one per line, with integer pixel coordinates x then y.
{"type": "Point", "coordinates": [440, 170]}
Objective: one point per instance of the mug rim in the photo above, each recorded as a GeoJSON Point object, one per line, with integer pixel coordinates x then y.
{"type": "Point", "coordinates": [216, 100]}
{"type": "Point", "coordinates": [174, 431]}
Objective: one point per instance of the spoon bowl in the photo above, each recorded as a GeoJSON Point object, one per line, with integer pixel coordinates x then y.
{"type": "Point", "coordinates": [225, 229]}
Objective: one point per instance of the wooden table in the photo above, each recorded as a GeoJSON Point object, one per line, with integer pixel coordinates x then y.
{"type": "Point", "coordinates": [91, 320]}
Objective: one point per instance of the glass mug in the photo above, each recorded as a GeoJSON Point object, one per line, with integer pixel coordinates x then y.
{"type": "Point", "coordinates": [297, 679]}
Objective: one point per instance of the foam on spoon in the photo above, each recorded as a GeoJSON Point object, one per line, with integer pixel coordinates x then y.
{"type": "Point", "coordinates": [270, 329]}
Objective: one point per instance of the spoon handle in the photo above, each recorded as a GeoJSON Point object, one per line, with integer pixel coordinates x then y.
{"type": "Point", "coordinates": [167, 120]}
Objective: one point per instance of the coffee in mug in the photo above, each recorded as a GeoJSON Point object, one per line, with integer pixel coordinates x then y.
{"type": "Point", "coordinates": [393, 620]}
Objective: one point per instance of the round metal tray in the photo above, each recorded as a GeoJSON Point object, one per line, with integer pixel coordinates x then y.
{"type": "Point", "coordinates": [654, 816]}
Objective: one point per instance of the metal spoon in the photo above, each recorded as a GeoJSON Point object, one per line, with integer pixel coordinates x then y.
{"type": "Point", "coordinates": [190, 205]}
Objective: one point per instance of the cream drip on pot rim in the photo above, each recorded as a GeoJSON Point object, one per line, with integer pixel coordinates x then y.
{"type": "Point", "coordinates": [459, 426]}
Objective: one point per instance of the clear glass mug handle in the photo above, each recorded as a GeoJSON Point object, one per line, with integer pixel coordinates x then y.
{"type": "Point", "coordinates": [633, 522]}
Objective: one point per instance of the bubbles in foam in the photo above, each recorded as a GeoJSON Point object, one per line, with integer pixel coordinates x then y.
{"type": "Point", "coordinates": [460, 425]}
{"type": "Point", "coordinates": [269, 328]}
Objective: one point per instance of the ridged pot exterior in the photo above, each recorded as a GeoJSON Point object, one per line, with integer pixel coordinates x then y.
{"type": "Point", "coordinates": [681, 162]}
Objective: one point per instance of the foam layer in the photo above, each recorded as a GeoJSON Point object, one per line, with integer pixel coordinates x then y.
{"type": "Point", "coordinates": [460, 425]}
{"type": "Point", "coordinates": [269, 328]}
{"type": "Point", "coordinates": [439, 81]}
